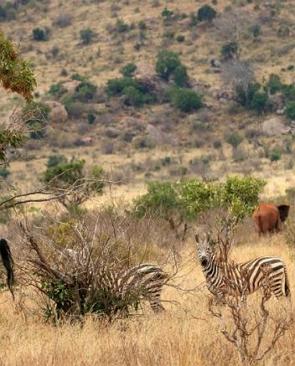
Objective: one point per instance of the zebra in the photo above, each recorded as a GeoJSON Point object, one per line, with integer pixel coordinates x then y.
{"type": "Point", "coordinates": [227, 278]}
{"type": "Point", "coordinates": [117, 289]}
{"type": "Point", "coordinates": [141, 282]}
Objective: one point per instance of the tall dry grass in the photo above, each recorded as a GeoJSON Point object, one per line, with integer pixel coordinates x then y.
{"type": "Point", "coordinates": [185, 335]}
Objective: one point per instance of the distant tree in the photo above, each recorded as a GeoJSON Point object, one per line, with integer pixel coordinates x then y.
{"type": "Point", "coordinates": [290, 110]}
{"type": "Point", "coordinates": [86, 36]}
{"type": "Point", "coordinates": [169, 65]}
{"type": "Point", "coordinates": [40, 34]}
{"type": "Point", "coordinates": [230, 51]}
{"type": "Point", "coordinates": [186, 100]}
{"type": "Point", "coordinates": [17, 76]}
{"type": "Point", "coordinates": [206, 13]}
{"type": "Point", "coordinates": [70, 176]}
{"type": "Point", "coordinates": [128, 70]}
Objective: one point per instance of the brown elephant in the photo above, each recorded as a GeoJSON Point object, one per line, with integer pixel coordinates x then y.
{"type": "Point", "coordinates": [268, 217]}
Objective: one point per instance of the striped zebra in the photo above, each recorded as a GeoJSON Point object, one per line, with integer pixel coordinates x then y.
{"type": "Point", "coordinates": [116, 290]}
{"type": "Point", "coordinates": [241, 279]}
{"type": "Point", "coordinates": [141, 282]}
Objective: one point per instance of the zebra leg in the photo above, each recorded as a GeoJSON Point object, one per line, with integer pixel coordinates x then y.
{"type": "Point", "coordinates": [155, 303]}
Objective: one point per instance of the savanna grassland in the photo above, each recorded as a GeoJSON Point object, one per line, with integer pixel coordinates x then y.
{"type": "Point", "coordinates": [106, 108]}
{"type": "Point", "coordinates": [185, 335]}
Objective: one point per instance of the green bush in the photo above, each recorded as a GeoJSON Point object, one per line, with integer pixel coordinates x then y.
{"type": "Point", "coordinates": [57, 90]}
{"type": "Point", "coordinates": [167, 63]}
{"type": "Point", "coordinates": [253, 97]}
{"type": "Point", "coordinates": [275, 154]}
{"type": "Point", "coordinates": [274, 84]}
{"type": "Point", "coordinates": [75, 109]}
{"type": "Point", "coordinates": [121, 26]}
{"type": "Point", "coordinates": [133, 97]}
{"type": "Point", "coordinates": [234, 139]}
{"type": "Point", "coordinates": [189, 198]}
{"type": "Point", "coordinates": [54, 160]}
{"type": "Point", "coordinates": [135, 93]}
{"type": "Point", "coordinates": [116, 87]}
{"type": "Point", "coordinates": [229, 50]}
{"type": "Point", "coordinates": [289, 92]}
{"type": "Point", "coordinates": [180, 38]}
{"type": "Point", "coordinates": [40, 34]}
{"type": "Point", "coordinates": [36, 117]}
{"type": "Point", "coordinates": [7, 12]}
{"type": "Point", "coordinates": [185, 100]}
{"type": "Point", "coordinates": [167, 14]}
{"type": "Point", "coordinates": [128, 70]}
{"type": "Point", "coordinates": [64, 172]}
{"type": "Point", "coordinates": [180, 76]}
{"type": "Point", "coordinates": [85, 92]}
{"type": "Point", "coordinates": [86, 36]}
{"type": "Point", "coordinates": [78, 77]}
{"type": "Point", "coordinates": [206, 13]}
{"type": "Point", "coordinates": [245, 95]}
{"type": "Point", "coordinates": [4, 172]}
{"type": "Point", "coordinates": [259, 102]}
{"type": "Point", "coordinates": [63, 175]}
{"type": "Point", "coordinates": [255, 30]}
{"type": "Point", "coordinates": [290, 110]}
{"type": "Point", "coordinates": [91, 118]}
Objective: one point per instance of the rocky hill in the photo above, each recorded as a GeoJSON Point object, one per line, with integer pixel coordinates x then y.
{"type": "Point", "coordinates": [158, 89]}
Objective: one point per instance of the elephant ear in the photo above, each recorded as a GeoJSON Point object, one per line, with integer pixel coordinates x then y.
{"type": "Point", "coordinates": [284, 212]}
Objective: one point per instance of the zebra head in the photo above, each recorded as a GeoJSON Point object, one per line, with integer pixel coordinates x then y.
{"type": "Point", "coordinates": [204, 249]}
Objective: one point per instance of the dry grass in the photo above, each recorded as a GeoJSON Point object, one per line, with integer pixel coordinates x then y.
{"type": "Point", "coordinates": [185, 335]}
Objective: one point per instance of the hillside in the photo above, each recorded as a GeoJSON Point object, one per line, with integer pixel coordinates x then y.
{"type": "Point", "coordinates": [156, 140]}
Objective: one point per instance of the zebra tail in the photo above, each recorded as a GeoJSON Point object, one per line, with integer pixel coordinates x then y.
{"type": "Point", "coordinates": [8, 263]}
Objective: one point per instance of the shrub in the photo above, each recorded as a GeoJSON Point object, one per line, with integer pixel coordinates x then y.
{"type": "Point", "coordinates": [4, 172]}
{"type": "Point", "coordinates": [116, 86]}
{"type": "Point", "coordinates": [121, 26]}
{"type": "Point", "coordinates": [189, 198]}
{"type": "Point", "coordinates": [86, 36]}
{"type": "Point", "coordinates": [289, 92]}
{"type": "Point", "coordinates": [167, 14]}
{"type": "Point", "coordinates": [206, 13]}
{"type": "Point", "coordinates": [85, 92]}
{"type": "Point", "coordinates": [234, 139]}
{"type": "Point", "coordinates": [167, 62]}
{"type": "Point", "coordinates": [7, 12]}
{"type": "Point", "coordinates": [133, 97]}
{"type": "Point", "coordinates": [54, 160]}
{"type": "Point", "coordinates": [185, 99]}
{"type": "Point", "coordinates": [274, 84]}
{"type": "Point", "coordinates": [229, 50]}
{"type": "Point", "coordinates": [275, 155]}
{"type": "Point", "coordinates": [255, 30]}
{"type": "Point", "coordinates": [57, 90]}
{"type": "Point", "coordinates": [259, 102]}
{"type": "Point", "coordinates": [290, 110]}
{"type": "Point", "coordinates": [142, 25]}
{"type": "Point", "coordinates": [36, 117]}
{"type": "Point", "coordinates": [136, 94]}
{"type": "Point", "coordinates": [62, 175]}
{"type": "Point", "coordinates": [40, 34]}
{"type": "Point", "coordinates": [128, 70]}
{"type": "Point", "coordinates": [180, 76]}
{"type": "Point", "coordinates": [180, 38]}
{"type": "Point", "coordinates": [91, 118]}
{"type": "Point", "coordinates": [75, 109]}
{"type": "Point", "coordinates": [253, 97]}
{"type": "Point", "coordinates": [78, 77]}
